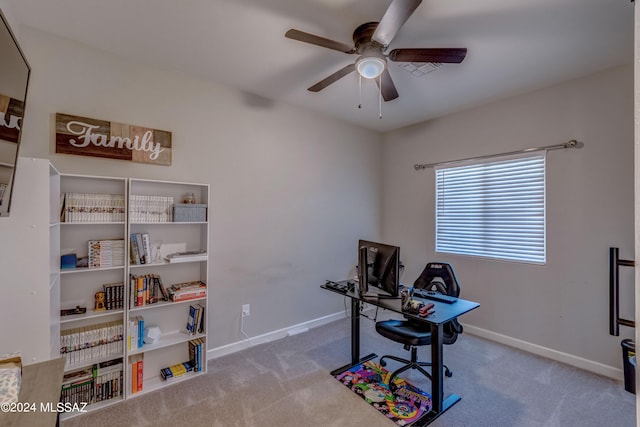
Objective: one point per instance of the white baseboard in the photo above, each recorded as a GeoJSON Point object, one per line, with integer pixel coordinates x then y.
{"type": "Point", "coordinates": [569, 359]}
{"type": "Point", "coordinates": [272, 336]}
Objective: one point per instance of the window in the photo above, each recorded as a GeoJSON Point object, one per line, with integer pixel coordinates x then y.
{"type": "Point", "coordinates": [493, 209]}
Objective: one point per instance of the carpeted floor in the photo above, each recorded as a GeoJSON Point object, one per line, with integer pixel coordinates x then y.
{"type": "Point", "coordinates": [287, 383]}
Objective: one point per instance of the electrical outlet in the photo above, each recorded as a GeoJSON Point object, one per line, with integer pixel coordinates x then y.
{"type": "Point", "coordinates": [246, 310]}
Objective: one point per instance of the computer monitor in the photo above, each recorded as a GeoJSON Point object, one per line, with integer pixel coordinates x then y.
{"type": "Point", "coordinates": [379, 268]}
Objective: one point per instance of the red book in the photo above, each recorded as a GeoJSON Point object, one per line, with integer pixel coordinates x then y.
{"type": "Point", "coordinates": [140, 376]}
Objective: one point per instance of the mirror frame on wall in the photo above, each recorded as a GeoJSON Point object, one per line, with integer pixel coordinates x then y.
{"type": "Point", "coordinates": [5, 206]}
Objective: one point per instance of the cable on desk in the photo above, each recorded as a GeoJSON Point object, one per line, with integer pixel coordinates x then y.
{"type": "Point", "coordinates": [362, 305]}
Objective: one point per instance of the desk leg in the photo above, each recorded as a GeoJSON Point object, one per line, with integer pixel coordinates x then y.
{"type": "Point", "coordinates": [355, 331]}
{"type": "Point", "coordinates": [439, 404]}
{"type": "Point", "coordinates": [437, 365]}
{"type": "Point", "coordinates": [355, 340]}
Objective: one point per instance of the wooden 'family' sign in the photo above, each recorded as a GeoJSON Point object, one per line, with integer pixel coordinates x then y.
{"type": "Point", "coordinates": [98, 138]}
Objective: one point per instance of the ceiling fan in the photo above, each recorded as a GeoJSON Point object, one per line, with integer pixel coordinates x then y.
{"type": "Point", "coordinates": [371, 39]}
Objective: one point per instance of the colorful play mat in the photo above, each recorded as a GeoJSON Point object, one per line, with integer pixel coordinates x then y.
{"type": "Point", "coordinates": [371, 382]}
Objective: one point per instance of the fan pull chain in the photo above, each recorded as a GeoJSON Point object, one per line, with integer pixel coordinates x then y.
{"type": "Point", "coordinates": [380, 97]}
{"type": "Point", "coordinates": [359, 91]}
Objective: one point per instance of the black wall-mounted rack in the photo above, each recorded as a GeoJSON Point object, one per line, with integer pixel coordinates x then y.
{"type": "Point", "coordinates": [614, 292]}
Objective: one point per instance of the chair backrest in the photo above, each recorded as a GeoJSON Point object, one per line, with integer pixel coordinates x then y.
{"type": "Point", "coordinates": [439, 276]}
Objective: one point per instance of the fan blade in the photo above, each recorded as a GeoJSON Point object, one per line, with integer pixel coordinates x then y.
{"type": "Point", "coordinates": [396, 15]}
{"type": "Point", "coordinates": [388, 89]}
{"type": "Point", "coordinates": [332, 78]}
{"type": "Point", "coordinates": [448, 56]}
{"type": "Point", "coordinates": [318, 41]}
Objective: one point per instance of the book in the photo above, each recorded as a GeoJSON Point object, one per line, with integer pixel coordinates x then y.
{"type": "Point", "coordinates": [132, 337]}
{"type": "Point", "coordinates": [106, 253]}
{"type": "Point", "coordinates": [140, 331]}
{"type": "Point", "coordinates": [140, 246]}
{"type": "Point", "coordinates": [163, 291]}
{"type": "Point", "coordinates": [191, 320]}
{"type": "Point", "coordinates": [140, 291]}
{"type": "Point", "coordinates": [201, 320]}
{"type": "Point", "coordinates": [140, 371]}
{"type": "Point", "coordinates": [176, 371]}
{"type": "Point", "coordinates": [187, 291]}
{"type": "Point", "coordinates": [195, 354]}
{"type": "Point", "coordinates": [146, 247]}
{"type": "Point", "coordinates": [135, 256]}
{"type": "Point", "coordinates": [113, 295]}
{"type": "Point", "coordinates": [136, 367]}
{"type": "Point", "coordinates": [187, 256]}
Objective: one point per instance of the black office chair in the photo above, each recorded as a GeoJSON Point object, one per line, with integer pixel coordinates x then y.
{"type": "Point", "coordinates": [413, 333]}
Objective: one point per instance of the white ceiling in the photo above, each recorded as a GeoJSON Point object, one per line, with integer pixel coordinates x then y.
{"type": "Point", "coordinates": [513, 46]}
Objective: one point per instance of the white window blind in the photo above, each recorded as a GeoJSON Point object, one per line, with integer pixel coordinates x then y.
{"type": "Point", "coordinates": [493, 209]}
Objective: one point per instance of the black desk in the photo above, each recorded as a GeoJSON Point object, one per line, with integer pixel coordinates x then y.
{"type": "Point", "coordinates": [443, 313]}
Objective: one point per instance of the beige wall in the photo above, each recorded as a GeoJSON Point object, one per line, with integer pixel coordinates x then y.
{"type": "Point", "coordinates": [291, 191]}
{"type": "Point", "coordinates": [559, 309]}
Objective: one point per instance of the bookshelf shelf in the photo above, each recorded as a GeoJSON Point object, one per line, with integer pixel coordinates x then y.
{"type": "Point", "coordinates": [66, 223]}
{"type": "Point", "coordinates": [89, 270]}
{"type": "Point", "coordinates": [156, 382]}
{"type": "Point", "coordinates": [72, 197]}
{"type": "Point", "coordinates": [169, 223]}
{"type": "Point", "coordinates": [166, 341]}
{"type": "Point", "coordinates": [161, 304]}
{"type": "Point", "coordinates": [90, 314]}
{"type": "Point", "coordinates": [159, 264]}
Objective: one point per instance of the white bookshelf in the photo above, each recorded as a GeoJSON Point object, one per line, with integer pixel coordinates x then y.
{"type": "Point", "coordinates": [30, 262]}
{"type": "Point", "coordinates": [165, 237]}
{"type": "Point", "coordinates": [71, 287]}
{"type": "Point", "coordinates": [54, 262]}
{"type": "Point", "coordinates": [78, 286]}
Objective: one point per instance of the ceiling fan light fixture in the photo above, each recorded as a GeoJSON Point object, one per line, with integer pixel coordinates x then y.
{"type": "Point", "coordinates": [370, 67]}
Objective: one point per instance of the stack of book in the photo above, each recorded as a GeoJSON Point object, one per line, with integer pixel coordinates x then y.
{"type": "Point", "coordinates": [195, 321]}
{"type": "Point", "coordinates": [107, 380]}
{"type": "Point", "coordinates": [187, 291]}
{"type": "Point", "coordinates": [196, 348]}
{"type": "Point", "coordinates": [135, 338]}
{"type": "Point", "coordinates": [106, 253]}
{"type": "Point", "coordinates": [113, 295]}
{"type": "Point", "coordinates": [187, 256]}
{"type": "Point", "coordinates": [176, 371]}
{"type": "Point", "coordinates": [136, 372]}
{"type": "Point", "coordinates": [146, 289]}
{"type": "Point", "coordinates": [77, 387]}
{"type": "Point", "coordinates": [86, 207]}
{"type": "Point", "coordinates": [86, 343]}
{"type": "Point", "coordinates": [140, 249]}
{"type": "Point", "coordinates": [150, 208]}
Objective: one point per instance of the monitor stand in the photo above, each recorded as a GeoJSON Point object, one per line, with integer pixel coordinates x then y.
{"type": "Point", "coordinates": [373, 293]}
